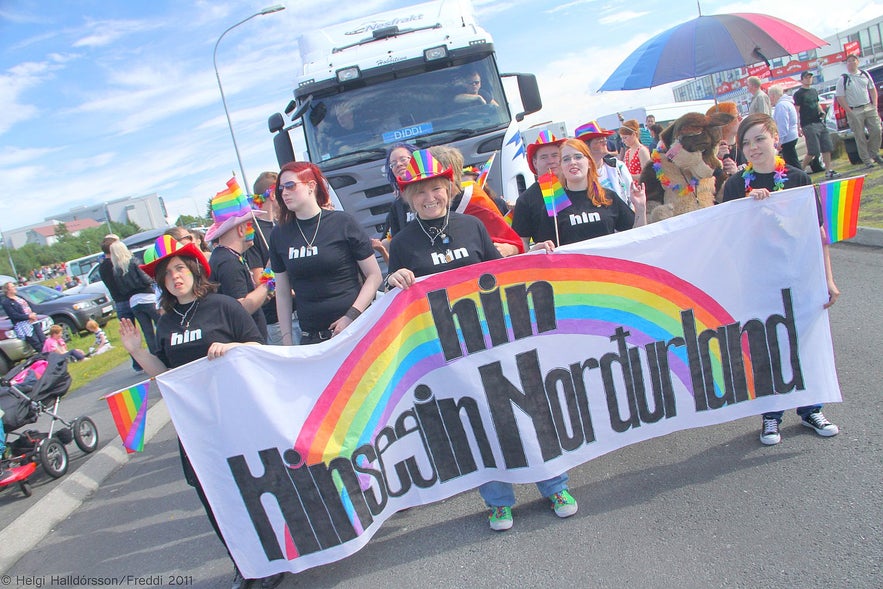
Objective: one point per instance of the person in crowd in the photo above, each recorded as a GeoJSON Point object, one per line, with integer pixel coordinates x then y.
{"type": "Point", "coordinates": [728, 152]}
{"type": "Point", "coordinates": [656, 131]}
{"type": "Point", "coordinates": [811, 125]}
{"type": "Point", "coordinates": [469, 90]}
{"type": "Point", "coordinates": [612, 173]}
{"type": "Point", "coordinates": [471, 175]}
{"type": "Point", "coordinates": [475, 202]}
{"type": "Point", "coordinates": [766, 173]}
{"type": "Point", "coordinates": [857, 94]}
{"type": "Point", "coordinates": [233, 233]}
{"type": "Point", "coordinates": [24, 320]}
{"type": "Point", "coordinates": [399, 215]}
{"type": "Point", "coordinates": [214, 324]}
{"type": "Point", "coordinates": [527, 218]}
{"type": "Point", "coordinates": [785, 116]}
{"type": "Point", "coordinates": [120, 298]}
{"type": "Point", "coordinates": [324, 255]}
{"type": "Point", "coordinates": [636, 156]}
{"type": "Point", "coordinates": [760, 102]}
{"type": "Point", "coordinates": [55, 343]}
{"type": "Point", "coordinates": [647, 134]}
{"type": "Point", "coordinates": [138, 287]}
{"type": "Point", "coordinates": [258, 256]}
{"type": "Point", "coordinates": [101, 343]}
{"type": "Point", "coordinates": [424, 247]}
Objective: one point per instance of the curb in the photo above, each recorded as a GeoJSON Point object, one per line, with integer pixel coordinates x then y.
{"type": "Point", "coordinates": [29, 529]}
{"type": "Point", "coordinates": [868, 236]}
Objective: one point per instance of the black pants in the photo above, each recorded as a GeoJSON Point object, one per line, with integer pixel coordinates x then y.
{"type": "Point", "coordinates": [789, 154]}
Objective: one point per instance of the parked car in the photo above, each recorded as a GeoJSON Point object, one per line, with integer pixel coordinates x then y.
{"type": "Point", "coordinates": [92, 283]}
{"type": "Point", "coordinates": [70, 311]}
{"type": "Point", "coordinates": [13, 349]}
{"type": "Point", "coordinates": [839, 116]}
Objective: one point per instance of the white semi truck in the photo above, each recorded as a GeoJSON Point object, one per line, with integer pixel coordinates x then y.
{"type": "Point", "coordinates": [425, 75]}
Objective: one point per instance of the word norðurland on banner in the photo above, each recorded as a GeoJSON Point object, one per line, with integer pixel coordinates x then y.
{"type": "Point", "coordinates": [513, 370]}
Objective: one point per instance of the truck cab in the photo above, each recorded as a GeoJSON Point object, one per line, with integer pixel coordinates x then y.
{"type": "Point", "coordinates": [425, 75]}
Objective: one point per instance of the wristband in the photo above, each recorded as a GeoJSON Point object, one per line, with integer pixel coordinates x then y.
{"type": "Point", "coordinates": [352, 313]}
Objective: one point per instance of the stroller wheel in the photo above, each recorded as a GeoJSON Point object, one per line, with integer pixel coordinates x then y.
{"type": "Point", "coordinates": [26, 488]}
{"type": "Point", "coordinates": [85, 434]}
{"type": "Point", "coordinates": [53, 457]}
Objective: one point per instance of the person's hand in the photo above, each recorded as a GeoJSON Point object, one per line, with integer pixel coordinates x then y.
{"type": "Point", "coordinates": [547, 246]}
{"type": "Point", "coordinates": [401, 278]}
{"type": "Point", "coordinates": [217, 349]}
{"type": "Point", "coordinates": [506, 249]}
{"type": "Point", "coordinates": [32, 317]}
{"type": "Point", "coordinates": [639, 196]}
{"type": "Point", "coordinates": [759, 194]}
{"type": "Point", "coordinates": [723, 149]}
{"type": "Point", "coordinates": [340, 325]}
{"type": "Point", "coordinates": [730, 167]}
{"type": "Point", "coordinates": [833, 294]}
{"type": "Point", "coordinates": [800, 131]}
{"type": "Point", "coordinates": [129, 335]}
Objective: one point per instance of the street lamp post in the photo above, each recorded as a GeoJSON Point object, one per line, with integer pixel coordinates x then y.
{"type": "Point", "coordinates": [268, 10]}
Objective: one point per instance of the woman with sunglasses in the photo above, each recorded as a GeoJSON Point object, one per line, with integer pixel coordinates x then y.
{"type": "Point", "coordinates": [324, 255]}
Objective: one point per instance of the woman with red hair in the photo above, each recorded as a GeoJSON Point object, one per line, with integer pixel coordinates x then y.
{"type": "Point", "coordinates": [324, 255]}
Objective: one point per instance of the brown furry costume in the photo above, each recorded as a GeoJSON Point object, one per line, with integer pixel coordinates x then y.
{"type": "Point", "coordinates": [691, 156]}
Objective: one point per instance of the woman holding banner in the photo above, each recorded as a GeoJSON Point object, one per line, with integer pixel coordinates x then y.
{"type": "Point", "coordinates": [196, 323]}
{"type": "Point", "coordinates": [425, 246]}
{"type": "Point", "coordinates": [766, 172]}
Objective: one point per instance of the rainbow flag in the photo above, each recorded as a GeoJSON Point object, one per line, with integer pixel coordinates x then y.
{"type": "Point", "coordinates": [129, 410]}
{"type": "Point", "coordinates": [840, 202]}
{"type": "Point", "coordinates": [229, 201]}
{"type": "Point", "coordinates": [485, 171]}
{"type": "Point", "coordinates": [553, 194]}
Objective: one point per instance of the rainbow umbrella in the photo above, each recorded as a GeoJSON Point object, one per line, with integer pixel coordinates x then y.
{"type": "Point", "coordinates": [707, 45]}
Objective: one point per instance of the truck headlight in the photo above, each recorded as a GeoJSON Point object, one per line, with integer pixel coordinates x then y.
{"type": "Point", "coordinates": [348, 74]}
{"type": "Point", "coordinates": [434, 53]}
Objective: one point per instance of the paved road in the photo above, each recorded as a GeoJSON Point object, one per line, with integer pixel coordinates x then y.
{"type": "Point", "coordinates": [709, 507]}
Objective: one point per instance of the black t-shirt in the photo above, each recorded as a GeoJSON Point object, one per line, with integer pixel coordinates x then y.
{"type": "Point", "coordinates": [581, 220]}
{"type": "Point", "coordinates": [807, 102]}
{"type": "Point", "coordinates": [233, 276]}
{"type": "Point", "coordinates": [735, 186]}
{"type": "Point", "coordinates": [215, 318]}
{"type": "Point", "coordinates": [399, 215]}
{"type": "Point", "coordinates": [325, 277]}
{"type": "Point", "coordinates": [258, 256]}
{"type": "Point", "coordinates": [467, 239]}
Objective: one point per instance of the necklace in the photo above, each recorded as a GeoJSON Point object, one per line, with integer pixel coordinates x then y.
{"type": "Point", "coordinates": [309, 242]}
{"type": "Point", "coordinates": [435, 233]}
{"type": "Point", "coordinates": [689, 187]}
{"type": "Point", "coordinates": [184, 315]}
{"type": "Point", "coordinates": [780, 175]}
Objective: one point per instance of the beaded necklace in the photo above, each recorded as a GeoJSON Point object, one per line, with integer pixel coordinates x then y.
{"type": "Point", "coordinates": [688, 188]}
{"type": "Point", "coordinates": [780, 175]}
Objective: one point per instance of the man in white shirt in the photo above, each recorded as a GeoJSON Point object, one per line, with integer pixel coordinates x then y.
{"type": "Point", "coordinates": [857, 95]}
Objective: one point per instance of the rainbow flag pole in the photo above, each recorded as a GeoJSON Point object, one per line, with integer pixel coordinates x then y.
{"type": "Point", "coordinates": [840, 202]}
{"type": "Point", "coordinates": [554, 198]}
{"type": "Point", "coordinates": [129, 410]}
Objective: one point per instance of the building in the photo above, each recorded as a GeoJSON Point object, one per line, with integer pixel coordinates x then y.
{"type": "Point", "coordinates": [825, 62]}
{"type": "Point", "coordinates": [148, 212]}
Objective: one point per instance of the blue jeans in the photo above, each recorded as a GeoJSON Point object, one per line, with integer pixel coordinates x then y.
{"type": "Point", "coordinates": [801, 411]}
{"type": "Point", "coordinates": [124, 311]}
{"type": "Point", "coordinates": [147, 316]}
{"type": "Point", "coordinates": [497, 494]}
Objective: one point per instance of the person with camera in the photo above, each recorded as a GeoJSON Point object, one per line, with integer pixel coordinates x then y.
{"type": "Point", "coordinates": [612, 173]}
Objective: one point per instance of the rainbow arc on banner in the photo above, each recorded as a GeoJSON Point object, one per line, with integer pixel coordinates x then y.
{"type": "Point", "coordinates": [840, 202]}
{"type": "Point", "coordinates": [129, 410]}
{"type": "Point", "coordinates": [554, 196]}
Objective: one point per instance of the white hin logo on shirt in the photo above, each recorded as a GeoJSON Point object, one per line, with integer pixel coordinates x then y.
{"type": "Point", "coordinates": [584, 218]}
{"type": "Point", "coordinates": [449, 256]}
{"type": "Point", "coordinates": [189, 335]}
{"type": "Point", "coordinates": [302, 252]}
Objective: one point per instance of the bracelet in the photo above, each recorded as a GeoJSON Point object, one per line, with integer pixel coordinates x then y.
{"type": "Point", "coordinates": [352, 313]}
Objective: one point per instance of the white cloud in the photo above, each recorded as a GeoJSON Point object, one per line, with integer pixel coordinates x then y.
{"type": "Point", "coordinates": [620, 16]}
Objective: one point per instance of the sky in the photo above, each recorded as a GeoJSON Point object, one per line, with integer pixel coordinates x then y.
{"type": "Point", "coordinates": [104, 99]}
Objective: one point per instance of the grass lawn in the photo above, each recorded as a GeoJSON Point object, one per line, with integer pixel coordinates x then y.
{"type": "Point", "coordinates": [870, 212]}
{"type": "Point", "coordinates": [83, 372]}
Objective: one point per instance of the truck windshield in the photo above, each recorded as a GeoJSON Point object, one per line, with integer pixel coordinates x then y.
{"type": "Point", "coordinates": [426, 108]}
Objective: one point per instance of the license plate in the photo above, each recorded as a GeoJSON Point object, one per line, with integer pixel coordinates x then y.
{"type": "Point", "coordinates": [106, 309]}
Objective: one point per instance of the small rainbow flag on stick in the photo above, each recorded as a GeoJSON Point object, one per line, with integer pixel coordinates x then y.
{"type": "Point", "coordinates": [485, 171]}
{"type": "Point", "coordinates": [129, 410]}
{"type": "Point", "coordinates": [553, 194]}
{"type": "Point", "coordinates": [840, 202]}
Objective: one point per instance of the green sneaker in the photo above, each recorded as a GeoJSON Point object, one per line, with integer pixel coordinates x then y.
{"type": "Point", "coordinates": [563, 504]}
{"type": "Point", "coordinates": [500, 518]}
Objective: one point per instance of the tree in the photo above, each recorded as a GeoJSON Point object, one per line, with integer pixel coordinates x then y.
{"type": "Point", "coordinates": [192, 221]}
{"type": "Point", "coordinates": [61, 231]}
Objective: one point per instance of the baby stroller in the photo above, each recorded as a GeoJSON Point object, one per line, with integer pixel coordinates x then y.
{"type": "Point", "coordinates": [33, 388]}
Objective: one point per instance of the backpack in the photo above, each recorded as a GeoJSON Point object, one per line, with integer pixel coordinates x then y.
{"type": "Point", "coordinates": [847, 79]}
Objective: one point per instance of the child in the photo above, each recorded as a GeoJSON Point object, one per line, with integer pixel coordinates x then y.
{"type": "Point", "coordinates": [55, 343]}
{"type": "Point", "coordinates": [101, 343]}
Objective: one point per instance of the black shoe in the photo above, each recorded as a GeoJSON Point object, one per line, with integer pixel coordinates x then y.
{"type": "Point", "coordinates": [272, 581]}
{"type": "Point", "coordinates": [239, 582]}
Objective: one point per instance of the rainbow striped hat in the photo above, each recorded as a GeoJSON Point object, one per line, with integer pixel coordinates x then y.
{"type": "Point", "coordinates": [544, 139]}
{"type": "Point", "coordinates": [591, 130]}
{"type": "Point", "coordinates": [423, 166]}
{"type": "Point", "coordinates": [230, 207]}
{"type": "Point", "coordinates": [167, 246]}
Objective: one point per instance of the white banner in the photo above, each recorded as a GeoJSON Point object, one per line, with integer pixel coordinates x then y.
{"type": "Point", "coordinates": [511, 370]}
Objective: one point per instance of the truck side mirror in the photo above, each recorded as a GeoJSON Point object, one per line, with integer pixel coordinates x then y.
{"type": "Point", "coordinates": [275, 122]}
